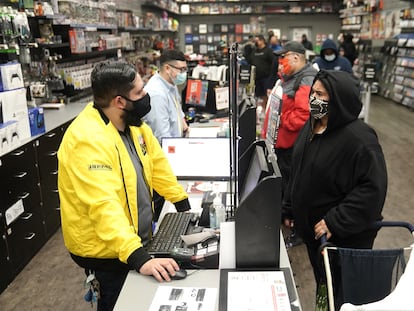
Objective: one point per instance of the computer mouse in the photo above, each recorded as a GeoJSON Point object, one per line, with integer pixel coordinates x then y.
{"type": "Point", "coordinates": [179, 275]}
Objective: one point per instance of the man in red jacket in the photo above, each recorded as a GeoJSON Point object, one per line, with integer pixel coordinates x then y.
{"type": "Point", "coordinates": [296, 76]}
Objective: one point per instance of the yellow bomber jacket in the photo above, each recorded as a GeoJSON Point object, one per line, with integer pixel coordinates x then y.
{"type": "Point", "coordinates": [97, 180]}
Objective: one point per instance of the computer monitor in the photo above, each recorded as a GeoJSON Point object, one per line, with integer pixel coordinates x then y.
{"type": "Point", "coordinates": [247, 128]}
{"type": "Point", "coordinates": [202, 95]}
{"type": "Point", "coordinates": [196, 93]}
{"type": "Point", "coordinates": [198, 158]}
{"type": "Point", "coordinates": [257, 170]}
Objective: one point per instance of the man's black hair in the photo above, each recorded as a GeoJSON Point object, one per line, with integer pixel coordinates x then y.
{"type": "Point", "coordinates": [171, 55]}
{"type": "Point", "coordinates": [261, 37]}
{"type": "Point", "coordinates": [110, 79]}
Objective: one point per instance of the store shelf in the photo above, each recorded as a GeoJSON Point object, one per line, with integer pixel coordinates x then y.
{"type": "Point", "coordinates": [255, 7]}
{"type": "Point", "coordinates": [53, 45]}
{"type": "Point", "coordinates": [93, 54]}
{"type": "Point", "coordinates": [152, 5]}
{"type": "Point", "coordinates": [355, 11]}
{"type": "Point", "coordinates": [397, 81]}
{"type": "Point", "coordinates": [146, 30]}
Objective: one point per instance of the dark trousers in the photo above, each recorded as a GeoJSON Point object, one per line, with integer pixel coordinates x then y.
{"type": "Point", "coordinates": [110, 284]}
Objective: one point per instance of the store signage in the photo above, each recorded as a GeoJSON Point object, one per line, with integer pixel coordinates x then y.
{"type": "Point", "coordinates": [245, 74]}
{"type": "Point", "coordinates": [369, 72]}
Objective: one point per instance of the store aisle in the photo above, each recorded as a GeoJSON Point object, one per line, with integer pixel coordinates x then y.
{"type": "Point", "coordinates": [52, 281]}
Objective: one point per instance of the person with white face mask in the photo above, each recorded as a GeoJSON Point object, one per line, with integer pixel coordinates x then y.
{"type": "Point", "coordinates": [166, 117]}
{"type": "Point", "coordinates": [331, 59]}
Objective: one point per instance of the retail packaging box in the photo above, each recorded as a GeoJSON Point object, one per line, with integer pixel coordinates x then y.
{"type": "Point", "coordinates": [77, 41]}
{"type": "Point", "coordinates": [8, 136]}
{"type": "Point", "coordinates": [14, 108]}
{"type": "Point", "coordinates": [36, 121]}
{"type": "Point", "coordinates": [11, 76]}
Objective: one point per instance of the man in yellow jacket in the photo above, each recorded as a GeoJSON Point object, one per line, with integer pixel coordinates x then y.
{"type": "Point", "coordinates": [109, 164]}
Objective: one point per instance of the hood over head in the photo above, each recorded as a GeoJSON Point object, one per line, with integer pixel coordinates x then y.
{"type": "Point", "coordinates": [344, 97]}
{"type": "Point", "coordinates": [348, 38]}
{"type": "Point", "coordinates": [329, 44]}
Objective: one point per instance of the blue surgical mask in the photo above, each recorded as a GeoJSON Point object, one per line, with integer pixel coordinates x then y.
{"type": "Point", "coordinates": [180, 78]}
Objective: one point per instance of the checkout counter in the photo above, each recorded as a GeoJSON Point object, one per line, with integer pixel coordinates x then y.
{"type": "Point", "coordinates": [139, 290]}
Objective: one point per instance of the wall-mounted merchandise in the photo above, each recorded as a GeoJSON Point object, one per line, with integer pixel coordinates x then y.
{"type": "Point", "coordinates": [397, 81]}
{"type": "Point", "coordinates": [407, 20]}
{"type": "Point", "coordinates": [368, 25]}
{"type": "Point", "coordinates": [207, 39]}
{"type": "Point", "coordinates": [254, 7]}
{"type": "Point", "coordinates": [88, 12]}
{"type": "Point", "coordinates": [170, 6]}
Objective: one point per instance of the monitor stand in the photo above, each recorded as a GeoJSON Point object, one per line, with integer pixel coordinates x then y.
{"type": "Point", "coordinates": [257, 222]}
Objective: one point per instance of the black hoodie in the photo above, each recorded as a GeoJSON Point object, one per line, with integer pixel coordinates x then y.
{"type": "Point", "coordinates": [339, 175]}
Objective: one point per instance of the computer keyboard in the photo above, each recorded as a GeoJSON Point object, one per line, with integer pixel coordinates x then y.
{"type": "Point", "coordinates": [168, 236]}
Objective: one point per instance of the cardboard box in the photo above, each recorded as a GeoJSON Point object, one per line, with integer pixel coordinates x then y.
{"type": "Point", "coordinates": [36, 121]}
{"type": "Point", "coordinates": [77, 41]}
{"type": "Point", "coordinates": [11, 76]}
{"type": "Point", "coordinates": [8, 136]}
{"type": "Point", "coordinates": [14, 108]}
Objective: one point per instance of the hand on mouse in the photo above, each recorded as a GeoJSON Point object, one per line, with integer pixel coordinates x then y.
{"type": "Point", "coordinates": [160, 268]}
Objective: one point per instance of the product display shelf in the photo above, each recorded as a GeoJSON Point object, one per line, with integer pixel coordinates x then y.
{"type": "Point", "coordinates": [352, 19]}
{"type": "Point", "coordinates": [168, 6]}
{"type": "Point", "coordinates": [255, 7]}
{"type": "Point", "coordinates": [387, 75]}
{"type": "Point", "coordinates": [397, 75]}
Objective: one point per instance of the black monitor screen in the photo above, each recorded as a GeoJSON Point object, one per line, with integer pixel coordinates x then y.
{"type": "Point", "coordinates": [258, 168]}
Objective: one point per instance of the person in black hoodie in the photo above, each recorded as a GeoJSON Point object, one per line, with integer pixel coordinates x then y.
{"type": "Point", "coordinates": [338, 177]}
{"type": "Point", "coordinates": [263, 59]}
{"type": "Point", "coordinates": [350, 50]}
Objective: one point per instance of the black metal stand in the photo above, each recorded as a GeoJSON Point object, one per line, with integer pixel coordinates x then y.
{"type": "Point", "coordinates": [233, 125]}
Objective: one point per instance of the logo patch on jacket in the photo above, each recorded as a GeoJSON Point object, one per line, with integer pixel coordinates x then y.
{"type": "Point", "coordinates": [142, 144]}
{"type": "Point", "coordinates": [99, 167]}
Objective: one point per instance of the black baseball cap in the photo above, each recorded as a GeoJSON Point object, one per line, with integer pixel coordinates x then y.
{"type": "Point", "coordinates": [291, 46]}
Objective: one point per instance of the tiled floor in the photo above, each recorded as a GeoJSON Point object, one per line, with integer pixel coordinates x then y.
{"type": "Point", "coordinates": [51, 281]}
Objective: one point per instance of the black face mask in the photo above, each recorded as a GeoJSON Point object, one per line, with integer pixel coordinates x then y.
{"type": "Point", "coordinates": [140, 108]}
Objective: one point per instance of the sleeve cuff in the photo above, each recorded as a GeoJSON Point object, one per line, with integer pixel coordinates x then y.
{"type": "Point", "coordinates": [138, 258]}
{"type": "Point", "coordinates": [183, 205]}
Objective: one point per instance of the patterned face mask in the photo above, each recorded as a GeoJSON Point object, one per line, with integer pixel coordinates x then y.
{"type": "Point", "coordinates": [318, 107]}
